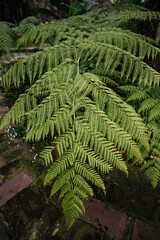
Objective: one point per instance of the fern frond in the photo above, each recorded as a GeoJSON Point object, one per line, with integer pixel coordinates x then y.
{"type": "Point", "coordinates": [108, 81]}
{"type": "Point", "coordinates": [27, 101]}
{"type": "Point", "coordinates": [59, 121]}
{"type": "Point", "coordinates": [125, 16]}
{"type": "Point", "coordinates": [148, 104]}
{"type": "Point", "coordinates": [128, 88]}
{"type": "Point", "coordinates": [65, 189]}
{"type": "Point", "coordinates": [48, 58]}
{"type": "Point", "coordinates": [46, 154]}
{"type": "Point", "coordinates": [153, 170]}
{"type": "Point", "coordinates": [84, 186]}
{"type": "Point", "coordinates": [58, 31]}
{"type": "Point", "coordinates": [64, 141]}
{"type": "Point", "coordinates": [6, 36]}
{"type": "Point", "coordinates": [66, 177]}
{"type": "Point", "coordinates": [155, 112]}
{"type": "Point", "coordinates": [59, 166]}
{"type": "Point", "coordinates": [114, 133]}
{"type": "Point", "coordinates": [120, 111]}
{"type": "Point", "coordinates": [158, 34]}
{"type": "Point", "coordinates": [26, 25]}
{"type": "Point", "coordinates": [52, 79]}
{"type": "Point", "coordinates": [84, 153]}
{"type": "Point", "coordinates": [138, 96]}
{"type": "Point", "coordinates": [132, 42]}
{"type": "Point", "coordinates": [100, 145]}
{"type": "Point", "coordinates": [112, 57]}
{"type": "Point", "coordinates": [90, 174]}
{"type": "Point", "coordinates": [50, 104]}
{"type": "Point", "coordinates": [73, 207]}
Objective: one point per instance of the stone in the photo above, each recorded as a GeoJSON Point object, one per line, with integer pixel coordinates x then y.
{"type": "Point", "coordinates": [4, 109]}
{"type": "Point", "coordinates": [4, 232]}
{"type": "Point", "coordinates": [27, 151]}
{"type": "Point", "coordinates": [145, 231]}
{"type": "Point", "coordinates": [108, 219]}
{"type": "Point", "coordinates": [10, 188]}
{"type": "Point", "coordinates": [134, 202]}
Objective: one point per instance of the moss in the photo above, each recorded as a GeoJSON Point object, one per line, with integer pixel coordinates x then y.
{"type": "Point", "coordinates": [8, 169]}
{"type": "Point", "coordinates": [11, 155]}
{"type": "Point", "coordinates": [3, 147]}
{"type": "Point", "coordinates": [33, 166]}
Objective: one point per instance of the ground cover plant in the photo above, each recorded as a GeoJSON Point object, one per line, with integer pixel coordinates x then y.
{"type": "Point", "coordinates": [76, 105]}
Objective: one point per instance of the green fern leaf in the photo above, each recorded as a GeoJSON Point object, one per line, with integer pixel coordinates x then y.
{"type": "Point", "coordinates": [137, 96]}
{"type": "Point", "coordinates": [6, 36]}
{"type": "Point", "coordinates": [153, 170]}
{"type": "Point", "coordinates": [155, 112]}
{"type": "Point", "coordinates": [114, 133]}
{"type": "Point", "coordinates": [148, 104]}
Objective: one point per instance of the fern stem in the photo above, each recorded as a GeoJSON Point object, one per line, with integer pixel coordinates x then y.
{"type": "Point", "coordinates": [78, 64]}
{"type": "Point", "coordinates": [74, 119]}
{"type": "Point", "coordinates": [74, 140]}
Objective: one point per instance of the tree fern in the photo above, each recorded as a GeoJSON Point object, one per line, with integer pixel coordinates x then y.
{"type": "Point", "coordinates": [6, 36]}
{"type": "Point", "coordinates": [127, 40]}
{"type": "Point", "coordinates": [153, 170]}
{"type": "Point", "coordinates": [152, 166]}
{"type": "Point", "coordinates": [71, 107]}
{"type": "Point", "coordinates": [83, 145]}
{"type": "Point", "coordinates": [149, 108]}
{"type": "Point", "coordinates": [9, 32]}
{"type": "Point", "coordinates": [148, 104]}
{"type": "Point", "coordinates": [158, 34]}
{"type": "Point", "coordinates": [26, 24]}
{"type": "Point", "coordinates": [124, 13]}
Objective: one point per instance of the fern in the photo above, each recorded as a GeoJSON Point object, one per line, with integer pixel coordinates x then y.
{"type": "Point", "coordinates": [148, 104]}
{"type": "Point", "coordinates": [153, 170]}
{"type": "Point", "coordinates": [84, 146]}
{"type": "Point", "coordinates": [138, 96]}
{"type": "Point", "coordinates": [158, 34]}
{"type": "Point", "coordinates": [132, 42]}
{"type": "Point", "coordinates": [149, 107]}
{"type": "Point", "coordinates": [71, 102]}
{"type": "Point", "coordinates": [6, 36]}
{"type": "Point", "coordinates": [152, 166]}
{"type": "Point", "coordinates": [124, 13]}
{"type": "Point", "coordinates": [26, 25]}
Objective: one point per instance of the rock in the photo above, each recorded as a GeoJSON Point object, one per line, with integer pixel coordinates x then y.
{"type": "Point", "coordinates": [4, 235]}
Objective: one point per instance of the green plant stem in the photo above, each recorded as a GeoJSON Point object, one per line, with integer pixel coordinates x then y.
{"type": "Point", "coordinates": [74, 140]}
{"type": "Point", "coordinates": [74, 117]}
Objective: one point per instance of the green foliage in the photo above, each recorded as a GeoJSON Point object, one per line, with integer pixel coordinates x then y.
{"type": "Point", "coordinates": [6, 36]}
{"type": "Point", "coordinates": [158, 34]}
{"type": "Point", "coordinates": [9, 32]}
{"type": "Point", "coordinates": [26, 24]}
{"type": "Point", "coordinates": [147, 102]}
{"type": "Point", "coordinates": [71, 104]}
{"type": "Point", "coordinates": [67, 8]}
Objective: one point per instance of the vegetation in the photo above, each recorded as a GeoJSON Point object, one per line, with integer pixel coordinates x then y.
{"type": "Point", "coordinates": [147, 104]}
{"type": "Point", "coordinates": [76, 105]}
{"type": "Point", "coordinates": [9, 33]}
